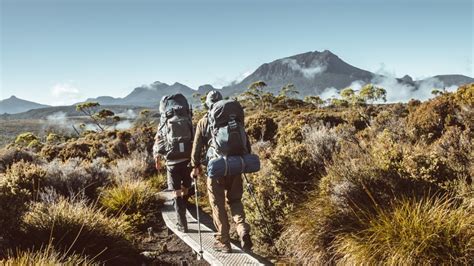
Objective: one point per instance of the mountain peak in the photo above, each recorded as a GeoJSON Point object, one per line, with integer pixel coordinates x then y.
{"type": "Point", "coordinates": [178, 84]}
{"type": "Point", "coordinates": [407, 78]}
{"type": "Point", "coordinates": [14, 105]}
{"type": "Point", "coordinates": [157, 83]}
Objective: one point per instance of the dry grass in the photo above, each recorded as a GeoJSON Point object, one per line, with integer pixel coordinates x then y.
{"type": "Point", "coordinates": [430, 231]}
{"type": "Point", "coordinates": [138, 166]}
{"type": "Point", "coordinates": [46, 256]}
{"type": "Point", "coordinates": [79, 227]}
{"type": "Point", "coordinates": [136, 200]}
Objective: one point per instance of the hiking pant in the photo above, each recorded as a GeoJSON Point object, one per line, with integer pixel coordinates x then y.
{"type": "Point", "coordinates": [227, 189]}
{"type": "Point", "coordinates": [179, 177]}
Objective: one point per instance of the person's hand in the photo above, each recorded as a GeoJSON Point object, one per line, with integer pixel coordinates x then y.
{"type": "Point", "coordinates": [157, 164]}
{"type": "Point", "coordinates": [195, 172]}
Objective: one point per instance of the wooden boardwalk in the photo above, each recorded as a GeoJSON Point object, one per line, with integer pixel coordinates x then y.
{"type": "Point", "coordinates": [191, 238]}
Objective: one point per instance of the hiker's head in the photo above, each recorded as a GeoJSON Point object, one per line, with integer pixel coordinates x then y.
{"type": "Point", "coordinates": [212, 97]}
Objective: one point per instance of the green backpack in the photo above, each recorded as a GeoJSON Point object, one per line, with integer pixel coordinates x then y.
{"type": "Point", "coordinates": [176, 128]}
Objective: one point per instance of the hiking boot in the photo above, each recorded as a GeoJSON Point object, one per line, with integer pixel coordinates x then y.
{"type": "Point", "coordinates": [246, 243]}
{"type": "Point", "coordinates": [221, 247]}
{"type": "Point", "coordinates": [181, 228]}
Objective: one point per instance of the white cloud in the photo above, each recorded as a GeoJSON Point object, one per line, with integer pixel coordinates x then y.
{"type": "Point", "coordinates": [122, 125]}
{"type": "Point", "coordinates": [65, 94]}
{"type": "Point", "coordinates": [243, 75]}
{"type": "Point", "coordinates": [329, 93]}
{"type": "Point", "coordinates": [308, 72]}
{"type": "Point", "coordinates": [396, 91]}
{"type": "Point", "coordinates": [223, 81]}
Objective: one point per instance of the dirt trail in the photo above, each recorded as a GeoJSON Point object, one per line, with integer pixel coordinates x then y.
{"type": "Point", "coordinates": [165, 248]}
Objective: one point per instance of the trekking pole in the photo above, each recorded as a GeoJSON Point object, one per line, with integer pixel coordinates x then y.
{"type": "Point", "coordinates": [250, 190]}
{"type": "Point", "coordinates": [199, 255]}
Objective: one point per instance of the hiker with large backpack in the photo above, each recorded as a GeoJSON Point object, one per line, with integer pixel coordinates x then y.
{"type": "Point", "coordinates": [221, 135]}
{"type": "Point", "coordinates": [173, 143]}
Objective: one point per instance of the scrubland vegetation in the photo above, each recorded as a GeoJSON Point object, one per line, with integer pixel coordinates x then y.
{"type": "Point", "coordinates": [351, 182]}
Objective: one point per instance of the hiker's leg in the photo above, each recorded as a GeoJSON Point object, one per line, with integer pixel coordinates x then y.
{"type": "Point", "coordinates": [216, 192]}
{"type": "Point", "coordinates": [175, 180]}
{"type": "Point", "coordinates": [234, 199]}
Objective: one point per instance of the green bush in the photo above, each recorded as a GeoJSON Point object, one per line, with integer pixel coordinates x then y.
{"type": "Point", "coordinates": [26, 175]}
{"type": "Point", "coordinates": [290, 133]}
{"type": "Point", "coordinates": [261, 127]}
{"type": "Point", "coordinates": [137, 201]}
{"type": "Point", "coordinates": [78, 227]}
{"type": "Point", "coordinates": [430, 119]}
{"type": "Point", "coordinates": [295, 167]}
{"type": "Point", "coordinates": [465, 95]}
{"type": "Point", "coordinates": [13, 203]}
{"type": "Point", "coordinates": [25, 139]}
{"type": "Point", "coordinates": [429, 231]}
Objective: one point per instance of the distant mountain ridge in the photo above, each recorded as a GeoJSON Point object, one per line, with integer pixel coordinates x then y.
{"type": "Point", "coordinates": [146, 95]}
{"type": "Point", "coordinates": [312, 73]}
{"type": "Point", "coordinates": [14, 105]}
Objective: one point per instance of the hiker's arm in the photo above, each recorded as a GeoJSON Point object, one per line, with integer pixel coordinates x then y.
{"type": "Point", "coordinates": [156, 154]}
{"type": "Point", "coordinates": [198, 144]}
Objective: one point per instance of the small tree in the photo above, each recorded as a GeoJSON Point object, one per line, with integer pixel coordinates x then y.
{"type": "Point", "coordinates": [349, 95]}
{"type": "Point", "coordinates": [368, 93]}
{"type": "Point", "coordinates": [200, 98]}
{"type": "Point", "coordinates": [287, 93]}
{"type": "Point", "coordinates": [338, 102]}
{"type": "Point", "coordinates": [101, 119]}
{"type": "Point", "coordinates": [371, 93]}
{"type": "Point", "coordinates": [255, 93]}
{"type": "Point", "coordinates": [144, 118]}
{"type": "Point", "coordinates": [437, 92]}
{"type": "Point", "coordinates": [358, 100]}
{"type": "Point", "coordinates": [268, 99]}
{"type": "Point", "coordinates": [316, 101]}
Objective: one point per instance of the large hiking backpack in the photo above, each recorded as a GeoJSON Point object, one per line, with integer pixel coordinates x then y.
{"type": "Point", "coordinates": [228, 153]}
{"type": "Point", "coordinates": [176, 128]}
{"type": "Point", "coordinates": [226, 125]}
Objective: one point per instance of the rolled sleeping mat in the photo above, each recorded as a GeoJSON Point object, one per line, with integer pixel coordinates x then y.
{"type": "Point", "coordinates": [233, 165]}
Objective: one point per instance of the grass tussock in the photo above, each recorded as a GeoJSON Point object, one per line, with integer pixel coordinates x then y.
{"type": "Point", "coordinates": [78, 227]}
{"type": "Point", "coordinates": [46, 256]}
{"type": "Point", "coordinates": [136, 201]}
{"type": "Point", "coordinates": [430, 231]}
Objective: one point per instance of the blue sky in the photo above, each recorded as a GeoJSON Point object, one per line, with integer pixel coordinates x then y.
{"type": "Point", "coordinates": [62, 51]}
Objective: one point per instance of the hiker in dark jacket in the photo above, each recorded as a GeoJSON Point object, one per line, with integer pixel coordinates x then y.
{"type": "Point", "coordinates": [178, 175]}
{"type": "Point", "coordinates": [222, 189]}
